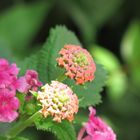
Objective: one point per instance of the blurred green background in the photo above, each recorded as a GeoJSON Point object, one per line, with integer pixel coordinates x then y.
{"type": "Point", "coordinates": [109, 29]}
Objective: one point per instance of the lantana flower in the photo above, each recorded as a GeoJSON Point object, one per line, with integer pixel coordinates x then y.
{"type": "Point", "coordinates": [78, 63]}
{"type": "Point", "coordinates": [58, 100]}
{"type": "Point", "coordinates": [8, 76]}
{"type": "Point", "coordinates": [96, 129]}
{"type": "Point", "coordinates": [9, 104]}
{"type": "Point", "coordinates": [29, 82]}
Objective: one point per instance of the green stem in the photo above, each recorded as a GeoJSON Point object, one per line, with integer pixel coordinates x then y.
{"type": "Point", "coordinates": [14, 131]}
{"type": "Point", "coordinates": [61, 78]}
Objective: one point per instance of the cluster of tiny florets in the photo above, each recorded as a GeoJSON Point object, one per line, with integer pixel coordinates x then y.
{"type": "Point", "coordinates": [78, 63]}
{"type": "Point", "coordinates": [9, 103]}
{"type": "Point", "coordinates": [59, 101]}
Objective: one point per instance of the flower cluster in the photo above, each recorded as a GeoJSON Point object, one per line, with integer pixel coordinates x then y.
{"type": "Point", "coordinates": [96, 129]}
{"type": "Point", "coordinates": [8, 106]}
{"type": "Point", "coordinates": [8, 86]}
{"type": "Point", "coordinates": [8, 76]}
{"type": "Point", "coordinates": [9, 83]}
{"type": "Point", "coordinates": [29, 82]}
{"type": "Point", "coordinates": [77, 62]}
{"type": "Point", "coordinates": [57, 100]}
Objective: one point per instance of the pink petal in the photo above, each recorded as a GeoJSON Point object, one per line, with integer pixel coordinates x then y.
{"type": "Point", "coordinates": [8, 116]}
{"type": "Point", "coordinates": [14, 103]}
{"type": "Point", "coordinates": [100, 136]}
{"type": "Point", "coordinates": [88, 138]}
{"type": "Point", "coordinates": [23, 85]}
{"type": "Point", "coordinates": [13, 69]}
{"type": "Point", "coordinates": [3, 64]}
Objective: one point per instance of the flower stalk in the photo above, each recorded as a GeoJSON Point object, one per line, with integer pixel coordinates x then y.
{"type": "Point", "coordinates": [18, 128]}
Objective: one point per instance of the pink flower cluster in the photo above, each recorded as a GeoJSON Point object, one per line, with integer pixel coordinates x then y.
{"type": "Point", "coordinates": [8, 86]}
{"type": "Point", "coordinates": [8, 106]}
{"type": "Point", "coordinates": [29, 82]}
{"type": "Point", "coordinates": [78, 63]}
{"type": "Point", "coordinates": [59, 101]}
{"type": "Point", "coordinates": [9, 83]}
{"type": "Point", "coordinates": [96, 129]}
{"type": "Point", "coordinates": [8, 76]}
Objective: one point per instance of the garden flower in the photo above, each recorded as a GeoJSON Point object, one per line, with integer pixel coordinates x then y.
{"type": "Point", "coordinates": [29, 82]}
{"type": "Point", "coordinates": [78, 63]}
{"type": "Point", "coordinates": [8, 76]}
{"type": "Point", "coordinates": [58, 100]}
{"type": "Point", "coordinates": [96, 129]}
{"type": "Point", "coordinates": [5, 66]}
{"type": "Point", "coordinates": [8, 106]}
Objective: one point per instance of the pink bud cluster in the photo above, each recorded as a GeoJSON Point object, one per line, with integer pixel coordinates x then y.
{"type": "Point", "coordinates": [78, 63]}
{"type": "Point", "coordinates": [29, 82]}
{"type": "Point", "coordinates": [59, 101]}
{"type": "Point", "coordinates": [8, 86]}
{"type": "Point", "coordinates": [96, 129]}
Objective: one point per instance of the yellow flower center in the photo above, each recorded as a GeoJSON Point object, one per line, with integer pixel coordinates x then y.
{"type": "Point", "coordinates": [80, 59]}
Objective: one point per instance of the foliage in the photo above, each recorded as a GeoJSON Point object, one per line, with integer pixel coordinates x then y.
{"type": "Point", "coordinates": [116, 76]}
{"type": "Point", "coordinates": [130, 50]}
{"type": "Point", "coordinates": [48, 70]}
{"type": "Point", "coordinates": [63, 130]}
{"type": "Point", "coordinates": [22, 17]}
{"type": "Point", "coordinates": [47, 67]}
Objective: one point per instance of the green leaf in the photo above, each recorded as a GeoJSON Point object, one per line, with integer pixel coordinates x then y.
{"type": "Point", "coordinates": [115, 80]}
{"type": "Point", "coordinates": [47, 66]}
{"type": "Point", "coordinates": [48, 69]}
{"type": "Point", "coordinates": [130, 48]}
{"type": "Point", "coordinates": [82, 116]}
{"type": "Point", "coordinates": [106, 58]}
{"type": "Point", "coordinates": [19, 25]}
{"type": "Point", "coordinates": [28, 63]}
{"type": "Point", "coordinates": [130, 42]}
{"type": "Point", "coordinates": [116, 77]}
{"type": "Point", "coordinates": [63, 130]}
